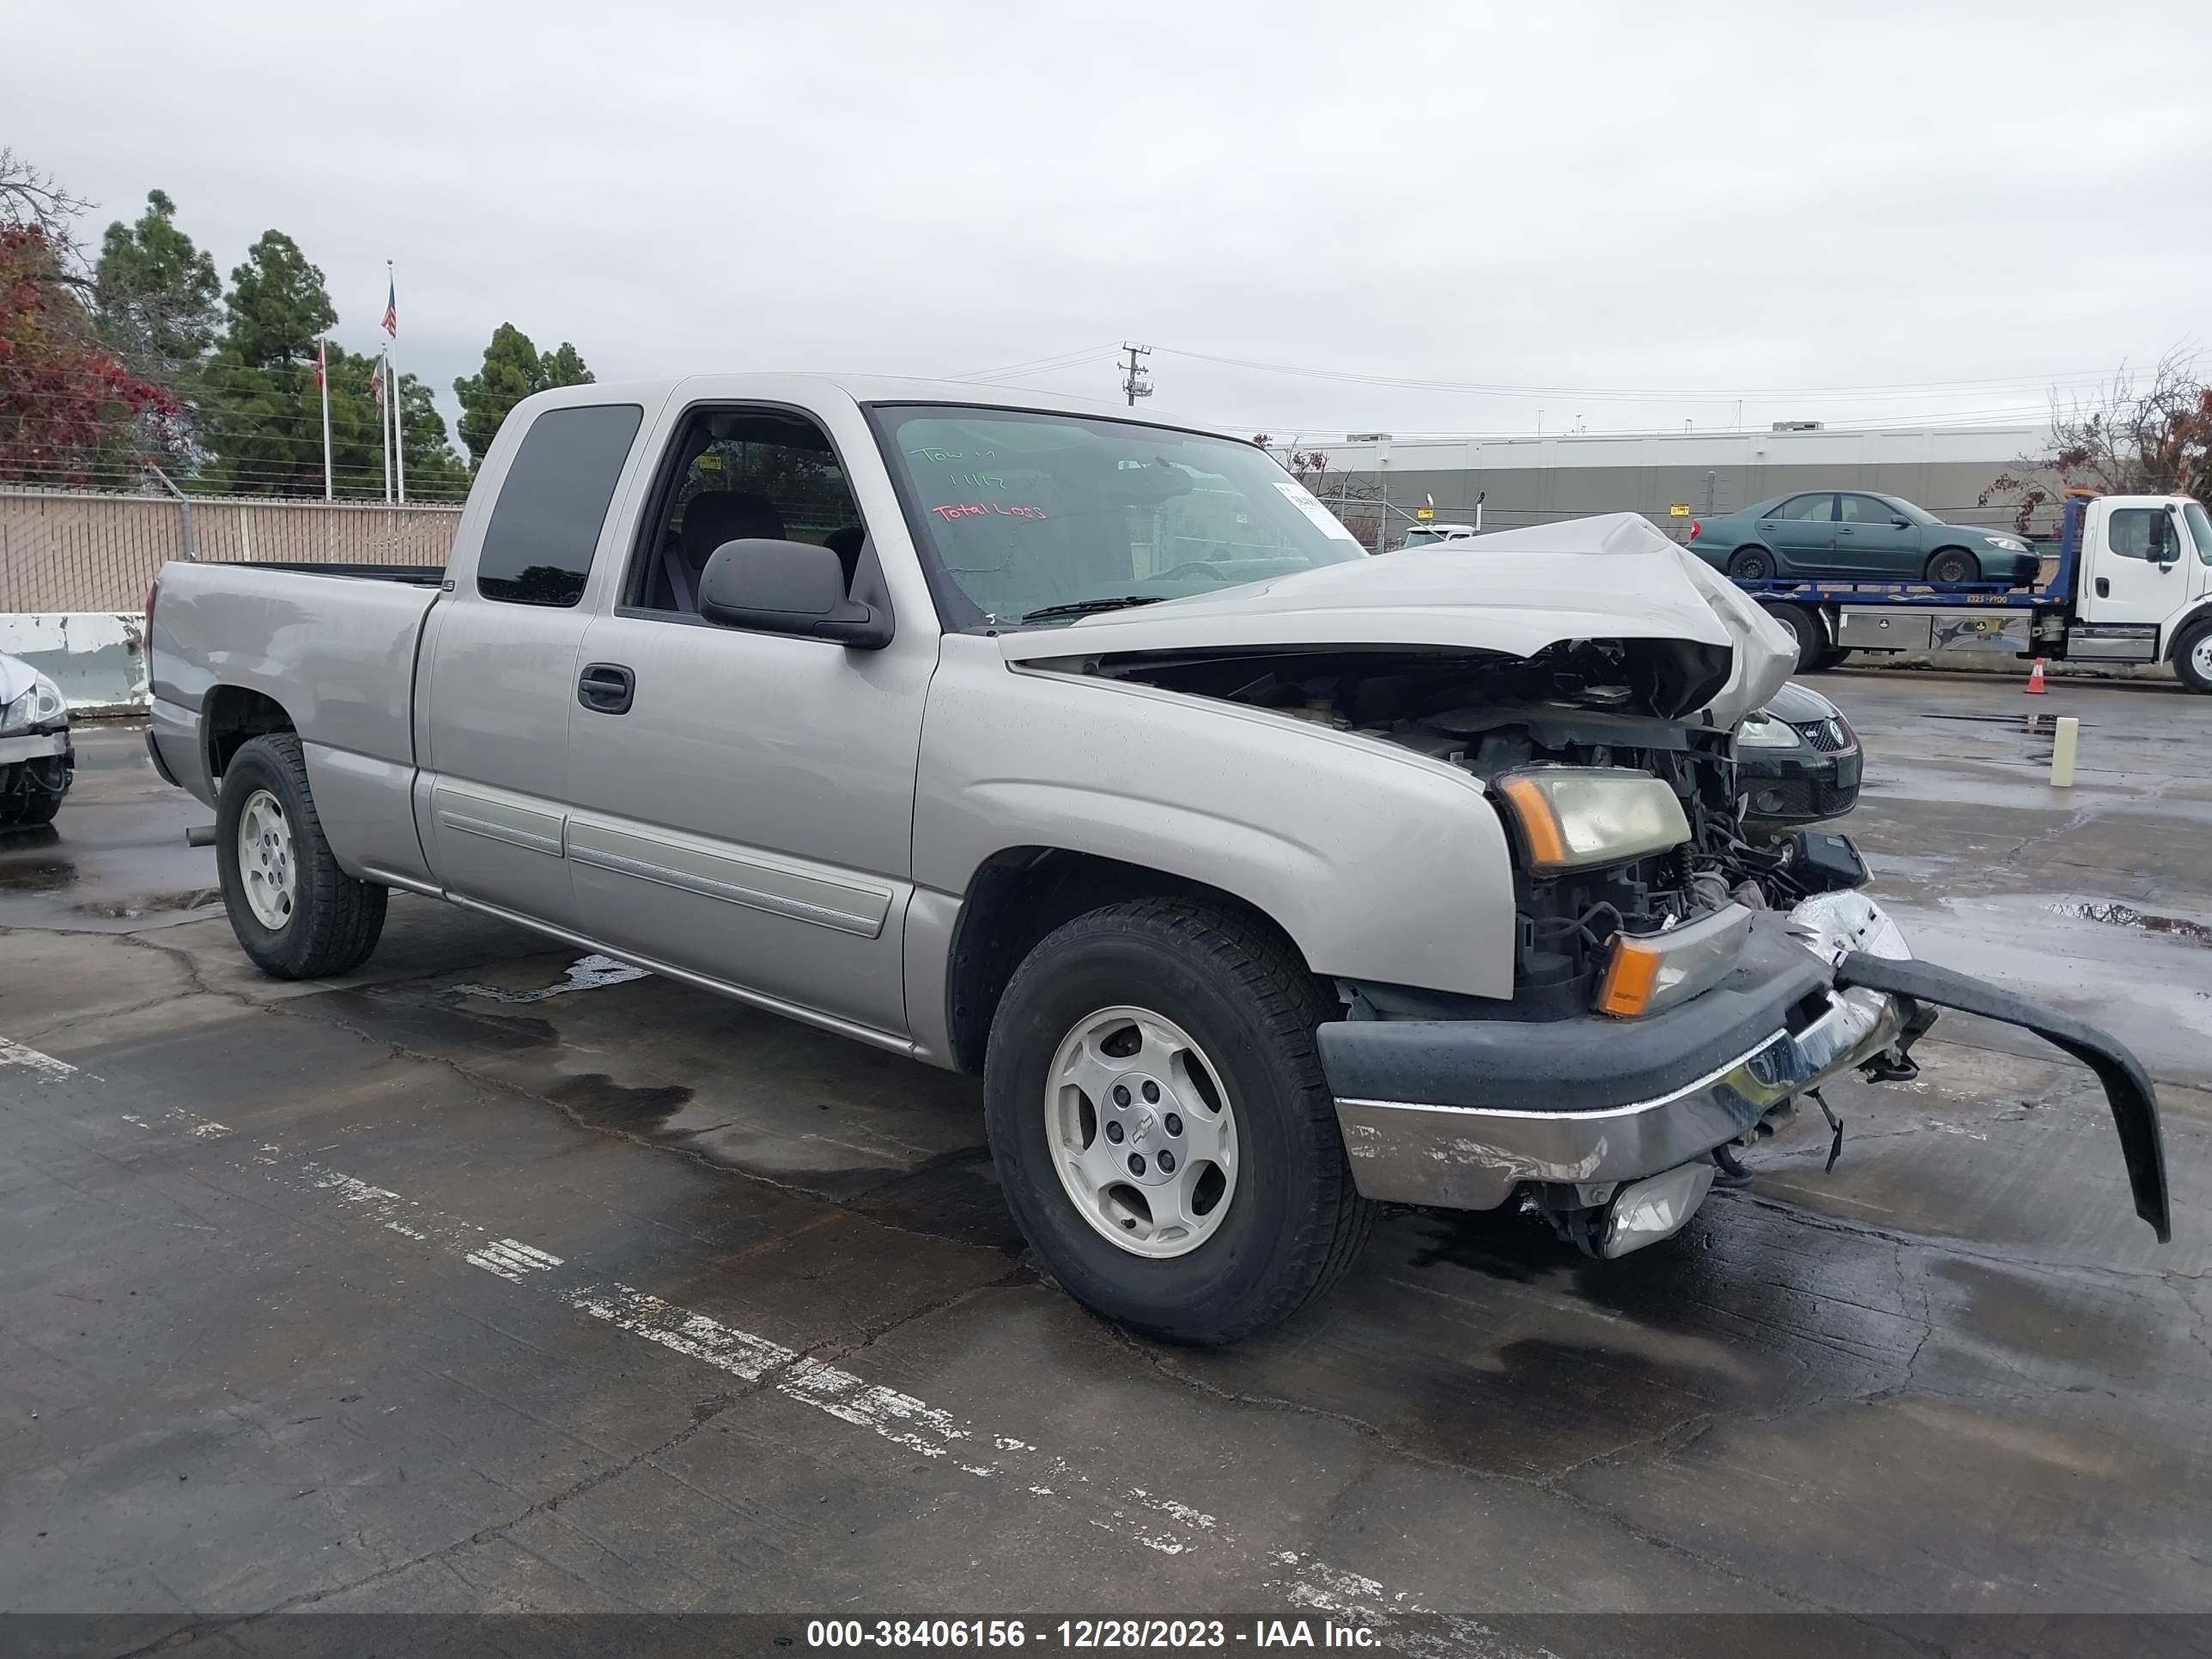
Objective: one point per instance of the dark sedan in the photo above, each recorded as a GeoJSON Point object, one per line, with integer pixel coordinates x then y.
{"type": "Point", "coordinates": [1852, 533]}
{"type": "Point", "coordinates": [1798, 761]}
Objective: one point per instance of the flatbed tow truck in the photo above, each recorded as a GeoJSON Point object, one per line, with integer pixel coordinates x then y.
{"type": "Point", "coordinates": [2133, 585]}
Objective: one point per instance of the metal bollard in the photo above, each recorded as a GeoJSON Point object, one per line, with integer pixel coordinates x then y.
{"type": "Point", "coordinates": [2067, 734]}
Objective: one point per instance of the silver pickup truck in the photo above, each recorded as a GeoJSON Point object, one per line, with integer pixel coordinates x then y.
{"type": "Point", "coordinates": [1262, 882]}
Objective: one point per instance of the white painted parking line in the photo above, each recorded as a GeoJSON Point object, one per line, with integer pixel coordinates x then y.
{"type": "Point", "coordinates": [1157, 1522]}
{"type": "Point", "coordinates": [43, 1066]}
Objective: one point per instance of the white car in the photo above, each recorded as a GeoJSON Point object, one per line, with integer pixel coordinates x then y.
{"type": "Point", "coordinates": [36, 760]}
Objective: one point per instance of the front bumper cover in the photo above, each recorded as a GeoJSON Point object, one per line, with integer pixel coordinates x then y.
{"type": "Point", "coordinates": [1460, 1113]}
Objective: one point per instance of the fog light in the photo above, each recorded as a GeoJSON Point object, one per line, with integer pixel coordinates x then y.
{"type": "Point", "coordinates": [1645, 1212]}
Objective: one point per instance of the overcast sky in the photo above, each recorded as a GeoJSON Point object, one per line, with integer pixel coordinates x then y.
{"type": "Point", "coordinates": [1631, 217]}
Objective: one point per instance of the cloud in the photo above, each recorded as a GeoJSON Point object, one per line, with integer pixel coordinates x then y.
{"type": "Point", "coordinates": [1684, 199]}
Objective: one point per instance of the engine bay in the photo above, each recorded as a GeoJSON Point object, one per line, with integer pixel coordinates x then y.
{"type": "Point", "coordinates": [1582, 703]}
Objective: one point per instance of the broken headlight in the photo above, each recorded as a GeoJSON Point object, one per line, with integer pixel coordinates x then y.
{"type": "Point", "coordinates": [1578, 817]}
{"type": "Point", "coordinates": [36, 706]}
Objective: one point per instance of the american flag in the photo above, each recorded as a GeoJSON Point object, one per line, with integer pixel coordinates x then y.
{"type": "Point", "coordinates": [391, 310]}
{"type": "Point", "coordinates": [376, 380]}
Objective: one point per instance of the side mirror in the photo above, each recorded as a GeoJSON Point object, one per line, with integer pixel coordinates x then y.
{"type": "Point", "coordinates": [2159, 545]}
{"type": "Point", "coordinates": [1900, 522]}
{"type": "Point", "coordinates": [787, 587]}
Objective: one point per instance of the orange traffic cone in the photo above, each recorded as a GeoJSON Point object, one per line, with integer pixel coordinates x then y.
{"type": "Point", "coordinates": [2035, 679]}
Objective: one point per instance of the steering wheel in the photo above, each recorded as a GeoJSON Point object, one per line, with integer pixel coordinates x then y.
{"type": "Point", "coordinates": [1194, 568]}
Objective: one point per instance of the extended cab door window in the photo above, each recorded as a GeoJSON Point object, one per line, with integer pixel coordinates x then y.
{"type": "Point", "coordinates": [538, 547]}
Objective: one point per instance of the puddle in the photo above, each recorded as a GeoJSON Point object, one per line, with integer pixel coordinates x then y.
{"type": "Point", "coordinates": [2116, 914]}
{"type": "Point", "coordinates": [146, 904]}
{"type": "Point", "coordinates": [49, 877]}
{"type": "Point", "coordinates": [586, 974]}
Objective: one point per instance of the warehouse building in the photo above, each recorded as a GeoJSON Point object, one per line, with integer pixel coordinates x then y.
{"type": "Point", "coordinates": [1671, 478]}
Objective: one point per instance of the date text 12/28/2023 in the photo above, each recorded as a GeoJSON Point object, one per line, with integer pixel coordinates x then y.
{"type": "Point", "coordinates": [1080, 1635]}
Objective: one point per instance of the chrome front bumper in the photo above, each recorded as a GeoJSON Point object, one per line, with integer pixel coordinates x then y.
{"type": "Point", "coordinates": [1472, 1157]}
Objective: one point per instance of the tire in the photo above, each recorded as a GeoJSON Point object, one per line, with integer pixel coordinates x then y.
{"type": "Point", "coordinates": [1949, 565]}
{"type": "Point", "coordinates": [295, 913]}
{"type": "Point", "coordinates": [1804, 626]}
{"type": "Point", "coordinates": [2192, 656]}
{"type": "Point", "coordinates": [32, 811]}
{"type": "Point", "coordinates": [1751, 564]}
{"type": "Point", "coordinates": [1286, 1223]}
{"type": "Point", "coordinates": [1833, 657]}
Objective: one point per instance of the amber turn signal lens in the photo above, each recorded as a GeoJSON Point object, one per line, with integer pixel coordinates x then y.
{"type": "Point", "coordinates": [1631, 975]}
{"type": "Point", "coordinates": [1547, 848]}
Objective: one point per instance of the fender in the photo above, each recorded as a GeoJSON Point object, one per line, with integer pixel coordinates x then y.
{"type": "Point", "coordinates": [1380, 864]}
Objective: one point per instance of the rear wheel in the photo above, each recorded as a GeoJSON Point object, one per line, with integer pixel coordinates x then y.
{"type": "Point", "coordinates": [1751, 564]}
{"type": "Point", "coordinates": [296, 914]}
{"type": "Point", "coordinates": [1953, 564]}
{"type": "Point", "coordinates": [1804, 626]}
{"type": "Point", "coordinates": [1161, 1126]}
{"type": "Point", "coordinates": [2192, 657]}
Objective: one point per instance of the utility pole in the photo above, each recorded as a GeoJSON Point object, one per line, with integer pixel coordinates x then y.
{"type": "Point", "coordinates": [1136, 382]}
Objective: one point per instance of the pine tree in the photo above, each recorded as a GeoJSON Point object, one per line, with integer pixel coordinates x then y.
{"type": "Point", "coordinates": [513, 369]}
{"type": "Point", "coordinates": [263, 429]}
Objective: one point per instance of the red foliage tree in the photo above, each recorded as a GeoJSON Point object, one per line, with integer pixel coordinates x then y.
{"type": "Point", "coordinates": [70, 412]}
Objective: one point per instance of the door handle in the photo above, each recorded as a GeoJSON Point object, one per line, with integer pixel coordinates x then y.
{"type": "Point", "coordinates": [606, 688]}
{"type": "Point", "coordinates": [2104, 588]}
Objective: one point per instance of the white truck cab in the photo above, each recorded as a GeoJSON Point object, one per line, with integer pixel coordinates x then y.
{"type": "Point", "coordinates": [1430, 535]}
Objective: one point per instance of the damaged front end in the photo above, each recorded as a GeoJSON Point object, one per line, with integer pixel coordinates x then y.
{"type": "Point", "coordinates": [1666, 1004]}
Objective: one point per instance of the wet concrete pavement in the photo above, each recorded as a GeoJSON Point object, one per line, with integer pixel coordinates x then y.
{"type": "Point", "coordinates": [490, 1279]}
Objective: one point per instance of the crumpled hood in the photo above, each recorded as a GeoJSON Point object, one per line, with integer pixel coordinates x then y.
{"type": "Point", "coordinates": [1514, 591]}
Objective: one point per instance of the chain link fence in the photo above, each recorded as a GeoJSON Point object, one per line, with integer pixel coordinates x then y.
{"type": "Point", "coordinates": [73, 549]}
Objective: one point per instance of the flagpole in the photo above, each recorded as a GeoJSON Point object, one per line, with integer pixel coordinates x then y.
{"type": "Point", "coordinates": [323, 384]}
{"type": "Point", "coordinates": [384, 425]}
{"type": "Point", "coordinates": [398, 442]}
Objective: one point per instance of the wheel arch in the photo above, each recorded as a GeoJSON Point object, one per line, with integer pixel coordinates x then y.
{"type": "Point", "coordinates": [233, 715]}
{"type": "Point", "coordinates": [2188, 622]}
{"type": "Point", "coordinates": [1021, 894]}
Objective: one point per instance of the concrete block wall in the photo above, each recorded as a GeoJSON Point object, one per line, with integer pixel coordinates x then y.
{"type": "Point", "coordinates": [98, 658]}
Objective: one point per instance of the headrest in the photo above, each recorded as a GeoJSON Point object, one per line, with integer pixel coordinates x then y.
{"type": "Point", "coordinates": [727, 515]}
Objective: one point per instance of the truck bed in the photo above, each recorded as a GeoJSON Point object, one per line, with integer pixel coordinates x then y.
{"type": "Point", "coordinates": [333, 646]}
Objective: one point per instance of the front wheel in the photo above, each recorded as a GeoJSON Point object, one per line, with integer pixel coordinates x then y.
{"type": "Point", "coordinates": [296, 914]}
{"type": "Point", "coordinates": [1954, 565]}
{"type": "Point", "coordinates": [2192, 657]}
{"type": "Point", "coordinates": [1161, 1126]}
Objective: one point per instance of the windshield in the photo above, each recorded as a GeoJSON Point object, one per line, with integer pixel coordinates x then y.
{"type": "Point", "coordinates": [2200, 527]}
{"type": "Point", "coordinates": [1022, 513]}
